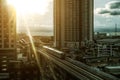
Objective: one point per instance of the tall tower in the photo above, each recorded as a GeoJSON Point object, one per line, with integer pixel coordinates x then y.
{"type": "Point", "coordinates": [73, 22]}
{"type": "Point", "coordinates": [7, 29]}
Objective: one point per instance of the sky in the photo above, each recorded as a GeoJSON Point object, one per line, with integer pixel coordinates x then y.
{"type": "Point", "coordinates": [39, 21]}
{"type": "Point", "coordinates": [106, 15]}
{"type": "Point", "coordinates": [38, 24]}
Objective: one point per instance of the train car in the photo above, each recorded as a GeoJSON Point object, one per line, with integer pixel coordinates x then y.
{"type": "Point", "coordinates": [55, 52]}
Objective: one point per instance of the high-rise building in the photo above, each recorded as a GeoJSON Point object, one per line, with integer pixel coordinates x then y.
{"type": "Point", "coordinates": [7, 29]}
{"type": "Point", "coordinates": [73, 22]}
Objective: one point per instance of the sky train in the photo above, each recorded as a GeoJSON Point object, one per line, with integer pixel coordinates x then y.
{"type": "Point", "coordinates": [54, 52]}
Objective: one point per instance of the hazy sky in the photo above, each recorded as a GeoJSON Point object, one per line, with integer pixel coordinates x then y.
{"type": "Point", "coordinates": [107, 14]}
{"type": "Point", "coordinates": [39, 24]}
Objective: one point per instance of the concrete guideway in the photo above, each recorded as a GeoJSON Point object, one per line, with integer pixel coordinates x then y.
{"type": "Point", "coordinates": [79, 72]}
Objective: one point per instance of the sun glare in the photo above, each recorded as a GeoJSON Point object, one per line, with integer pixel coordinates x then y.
{"type": "Point", "coordinates": [30, 6]}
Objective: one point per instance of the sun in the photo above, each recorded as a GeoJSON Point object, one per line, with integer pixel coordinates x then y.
{"type": "Point", "coordinates": [30, 6]}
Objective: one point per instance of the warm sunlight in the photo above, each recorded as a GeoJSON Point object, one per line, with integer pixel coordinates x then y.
{"type": "Point", "coordinates": [30, 6]}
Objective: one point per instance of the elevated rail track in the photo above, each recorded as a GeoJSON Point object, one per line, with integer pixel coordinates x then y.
{"type": "Point", "coordinates": [77, 69]}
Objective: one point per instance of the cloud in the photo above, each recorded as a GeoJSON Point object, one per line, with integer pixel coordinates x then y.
{"type": "Point", "coordinates": [111, 8]}
{"type": "Point", "coordinates": [102, 11]}
{"type": "Point", "coordinates": [115, 12]}
{"type": "Point", "coordinates": [113, 5]}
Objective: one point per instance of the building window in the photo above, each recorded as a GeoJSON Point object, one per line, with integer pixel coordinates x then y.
{"type": "Point", "coordinates": [12, 45]}
{"type": "Point", "coordinates": [6, 45]}
{"type": "Point", "coordinates": [12, 41]}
